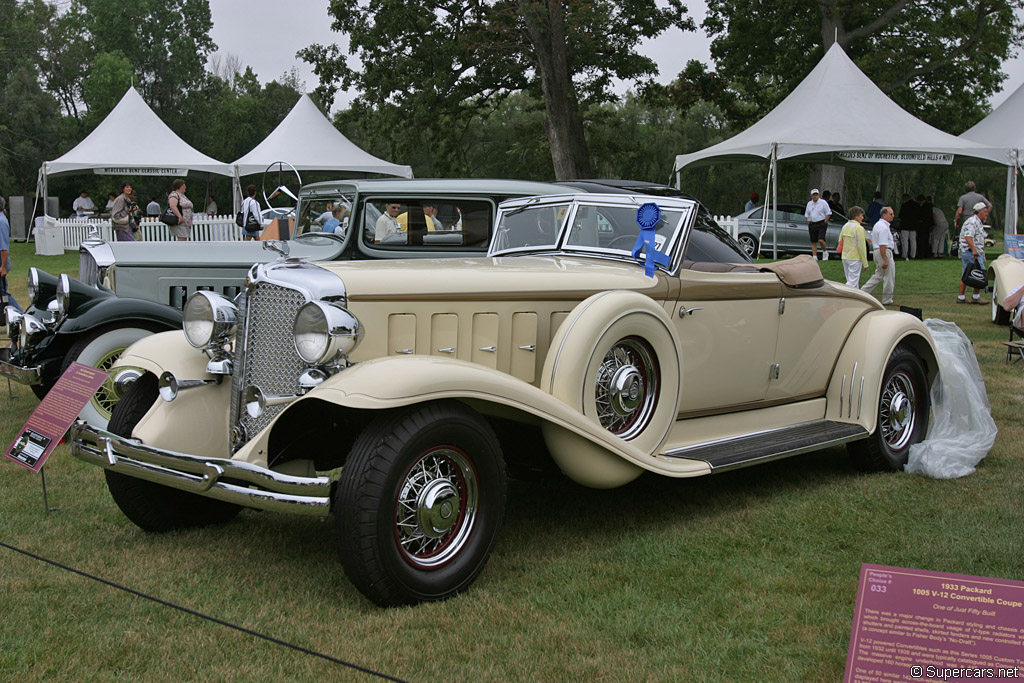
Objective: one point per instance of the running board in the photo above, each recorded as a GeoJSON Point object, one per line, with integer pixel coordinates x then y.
{"type": "Point", "coordinates": [754, 449]}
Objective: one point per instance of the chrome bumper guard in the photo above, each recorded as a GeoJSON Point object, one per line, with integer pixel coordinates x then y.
{"type": "Point", "coordinates": [22, 375]}
{"type": "Point", "coordinates": [246, 484]}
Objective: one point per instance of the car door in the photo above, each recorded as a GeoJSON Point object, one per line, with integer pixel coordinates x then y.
{"type": "Point", "coordinates": [726, 317]}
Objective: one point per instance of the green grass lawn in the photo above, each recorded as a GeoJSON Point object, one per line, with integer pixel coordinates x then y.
{"type": "Point", "coordinates": [746, 576]}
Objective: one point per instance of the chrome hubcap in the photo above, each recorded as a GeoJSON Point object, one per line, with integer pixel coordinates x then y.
{"type": "Point", "coordinates": [626, 387]}
{"type": "Point", "coordinates": [436, 508]}
{"type": "Point", "coordinates": [898, 417]}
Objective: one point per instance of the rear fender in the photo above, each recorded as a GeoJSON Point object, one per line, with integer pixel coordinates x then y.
{"type": "Point", "coordinates": [854, 389]}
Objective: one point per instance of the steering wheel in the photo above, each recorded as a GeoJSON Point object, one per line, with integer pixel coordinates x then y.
{"type": "Point", "coordinates": [623, 242]}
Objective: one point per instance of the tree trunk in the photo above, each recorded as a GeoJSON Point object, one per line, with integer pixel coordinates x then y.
{"type": "Point", "coordinates": [831, 178]}
{"type": "Point", "coordinates": [545, 26]}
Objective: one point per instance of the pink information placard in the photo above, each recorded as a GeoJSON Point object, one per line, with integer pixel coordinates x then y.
{"type": "Point", "coordinates": [49, 422]}
{"type": "Point", "coordinates": [917, 625]}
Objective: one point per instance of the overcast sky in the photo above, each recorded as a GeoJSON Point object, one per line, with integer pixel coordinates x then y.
{"type": "Point", "coordinates": [266, 35]}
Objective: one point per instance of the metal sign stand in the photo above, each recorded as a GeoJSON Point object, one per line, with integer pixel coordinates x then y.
{"type": "Point", "coordinates": [46, 502]}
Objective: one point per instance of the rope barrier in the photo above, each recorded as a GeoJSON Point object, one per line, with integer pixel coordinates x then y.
{"type": "Point", "coordinates": [195, 613]}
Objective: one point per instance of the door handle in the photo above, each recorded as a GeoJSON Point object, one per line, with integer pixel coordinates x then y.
{"type": "Point", "coordinates": [684, 311]}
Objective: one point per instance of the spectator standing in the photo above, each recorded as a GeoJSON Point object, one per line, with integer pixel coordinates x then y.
{"type": "Point", "coordinates": [939, 228]}
{"type": "Point", "coordinates": [874, 211]}
{"type": "Point", "coordinates": [211, 206]}
{"type": "Point", "coordinates": [908, 226]}
{"type": "Point", "coordinates": [882, 244]}
{"type": "Point", "coordinates": [972, 248]}
{"type": "Point", "coordinates": [853, 247]}
{"type": "Point", "coordinates": [182, 208]}
{"type": "Point", "coordinates": [153, 208]}
{"type": "Point", "coordinates": [83, 205]}
{"type": "Point", "coordinates": [965, 205]}
{"type": "Point", "coordinates": [120, 214]}
{"type": "Point", "coordinates": [110, 203]}
{"type": "Point", "coordinates": [752, 202]}
{"type": "Point", "coordinates": [5, 254]}
{"type": "Point", "coordinates": [817, 213]}
{"type": "Point", "coordinates": [924, 226]}
{"type": "Point", "coordinates": [251, 209]}
{"type": "Point", "coordinates": [837, 206]}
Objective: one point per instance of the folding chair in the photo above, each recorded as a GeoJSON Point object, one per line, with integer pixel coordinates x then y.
{"type": "Point", "coordinates": [1015, 348]}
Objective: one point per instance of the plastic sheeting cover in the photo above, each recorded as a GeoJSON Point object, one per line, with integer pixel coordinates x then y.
{"type": "Point", "coordinates": [962, 430]}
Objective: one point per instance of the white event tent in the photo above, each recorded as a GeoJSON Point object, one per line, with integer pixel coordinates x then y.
{"type": "Point", "coordinates": [1003, 128]}
{"type": "Point", "coordinates": [838, 116]}
{"type": "Point", "coordinates": [132, 141]}
{"type": "Point", "coordinates": [308, 141]}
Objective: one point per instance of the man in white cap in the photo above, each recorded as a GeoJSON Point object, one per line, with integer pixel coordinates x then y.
{"type": "Point", "coordinates": [817, 214]}
{"type": "Point", "coordinates": [972, 247]}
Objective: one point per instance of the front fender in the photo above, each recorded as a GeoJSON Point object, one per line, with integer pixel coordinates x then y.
{"type": "Point", "coordinates": [197, 421]}
{"type": "Point", "coordinates": [856, 382]}
{"type": "Point", "coordinates": [121, 310]}
{"type": "Point", "coordinates": [394, 382]}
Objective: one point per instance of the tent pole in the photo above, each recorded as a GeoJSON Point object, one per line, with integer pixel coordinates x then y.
{"type": "Point", "coordinates": [881, 182]}
{"type": "Point", "coordinates": [1010, 227]}
{"type": "Point", "coordinates": [775, 201]}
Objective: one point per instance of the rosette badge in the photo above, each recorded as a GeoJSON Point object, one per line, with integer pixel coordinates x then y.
{"type": "Point", "coordinates": [648, 216]}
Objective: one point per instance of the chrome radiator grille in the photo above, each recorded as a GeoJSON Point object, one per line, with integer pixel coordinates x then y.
{"type": "Point", "coordinates": [265, 353]}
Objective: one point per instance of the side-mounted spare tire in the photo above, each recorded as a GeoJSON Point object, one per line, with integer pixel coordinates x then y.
{"type": "Point", "coordinates": [616, 360]}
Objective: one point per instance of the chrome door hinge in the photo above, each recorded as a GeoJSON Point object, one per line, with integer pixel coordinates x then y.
{"type": "Point", "coordinates": [782, 305]}
{"type": "Point", "coordinates": [774, 372]}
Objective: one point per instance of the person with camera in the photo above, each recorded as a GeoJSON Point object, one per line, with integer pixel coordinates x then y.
{"type": "Point", "coordinates": [121, 213]}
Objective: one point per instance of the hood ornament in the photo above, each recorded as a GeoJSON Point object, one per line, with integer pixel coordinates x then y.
{"type": "Point", "coordinates": [280, 246]}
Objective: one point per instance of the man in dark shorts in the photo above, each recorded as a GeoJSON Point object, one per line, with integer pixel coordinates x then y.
{"type": "Point", "coordinates": [817, 214]}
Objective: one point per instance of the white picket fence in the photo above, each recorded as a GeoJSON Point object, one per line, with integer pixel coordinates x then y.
{"type": "Point", "coordinates": [204, 229]}
{"type": "Point", "coordinates": [729, 224]}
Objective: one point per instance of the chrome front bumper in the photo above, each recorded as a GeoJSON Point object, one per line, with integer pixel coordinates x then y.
{"type": "Point", "coordinates": [228, 480]}
{"type": "Point", "coordinates": [20, 374]}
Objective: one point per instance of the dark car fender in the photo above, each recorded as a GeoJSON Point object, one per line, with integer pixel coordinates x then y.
{"type": "Point", "coordinates": [103, 312]}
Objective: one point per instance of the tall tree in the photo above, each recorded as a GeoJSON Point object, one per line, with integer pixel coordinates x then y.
{"type": "Point", "coordinates": [939, 59]}
{"type": "Point", "coordinates": [435, 64]}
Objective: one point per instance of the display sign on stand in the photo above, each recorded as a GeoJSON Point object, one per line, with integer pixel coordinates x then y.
{"type": "Point", "coordinates": [49, 422]}
{"type": "Point", "coordinates": [911, 625]}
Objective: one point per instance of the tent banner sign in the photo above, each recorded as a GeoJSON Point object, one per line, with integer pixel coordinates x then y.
{"type": "Point", "coordinates": [931, 158]}
{"type": "Point", "coordinates": [139, 170]}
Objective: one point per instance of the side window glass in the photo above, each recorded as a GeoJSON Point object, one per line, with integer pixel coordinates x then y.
{"type": "Point", "coordinates": [427, 224]}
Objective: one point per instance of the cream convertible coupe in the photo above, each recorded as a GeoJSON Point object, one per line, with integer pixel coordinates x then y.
{"type": "Point", "coordinates": [394, 393]}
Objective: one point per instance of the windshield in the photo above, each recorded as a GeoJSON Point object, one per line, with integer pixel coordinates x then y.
{"type": "Point", "coordinates": [324, 214]}
{"type": "Point", "coordinates": [594, 224]}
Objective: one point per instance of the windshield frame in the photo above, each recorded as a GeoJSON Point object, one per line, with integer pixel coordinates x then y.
{"type": "Point", "coordinates": [687, 209]}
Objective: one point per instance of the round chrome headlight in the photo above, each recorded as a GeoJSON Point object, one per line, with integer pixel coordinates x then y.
{"type": "Point", "coordinates": [30, 331]}
{"type": "Point", "coordinates": [208, 318]}
{"type": "Point", "coordinates": [63, 295]}
{"type": "Point", "coordinates": [33, 286]}
{"type": "Point", "coordinates": [325, 330]}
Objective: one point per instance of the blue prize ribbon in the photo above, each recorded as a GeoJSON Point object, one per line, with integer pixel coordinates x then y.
{"type": "Point", "coordinates": [647, 217]}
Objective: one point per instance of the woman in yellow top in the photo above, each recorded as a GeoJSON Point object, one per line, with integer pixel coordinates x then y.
{"type": "Point", "coordinates": [853, 247]}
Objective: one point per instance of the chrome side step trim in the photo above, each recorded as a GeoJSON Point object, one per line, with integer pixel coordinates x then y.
{"type": "Point", "coordinates": [774, 444]}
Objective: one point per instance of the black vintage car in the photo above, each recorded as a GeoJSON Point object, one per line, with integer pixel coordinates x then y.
{"type": "Point", "coordinates": [71, 321]}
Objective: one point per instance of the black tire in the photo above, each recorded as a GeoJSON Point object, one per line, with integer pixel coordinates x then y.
{"type": "Point", "coordinates": [903, 407]}
{"type": "Point", "coordinates": [101, 349]}
{"type": "Point", "coordinates": [150, 506]}
{"type": "Point", "coordinates": [442, 453]}
{"type": "Point", "coordinates": [749, 244]}
{"type": "Point", "coordinates": [1000, 316]}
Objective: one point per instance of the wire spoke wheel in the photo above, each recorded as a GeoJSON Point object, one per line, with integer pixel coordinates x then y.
{"type": "Point", "coordinates": [106, 397]}
{"type": "Point", "coordinates": [626, 387]}
{"type": "Point", "coordinates": [436, 508]}
{"type": "Point", "coordinates": [897, 412]}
